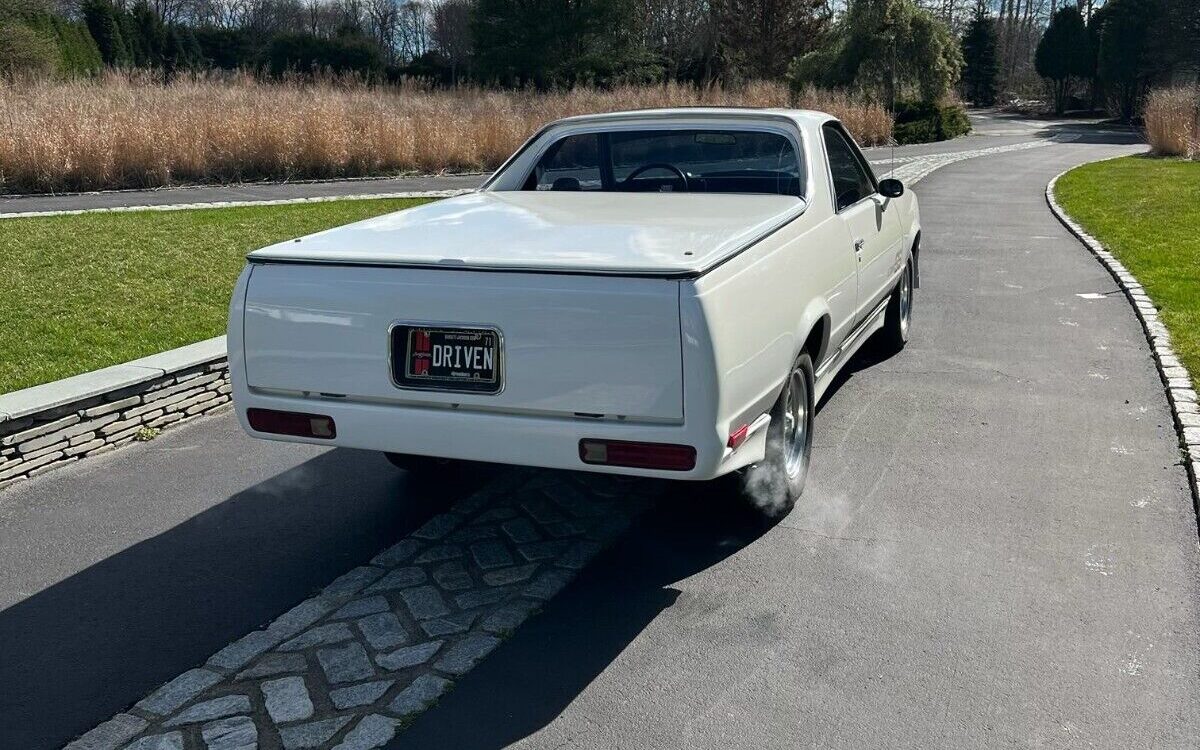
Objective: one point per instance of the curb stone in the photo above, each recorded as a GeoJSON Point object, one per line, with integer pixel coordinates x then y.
{"type": "Point", "coordinates": [1181, 392]}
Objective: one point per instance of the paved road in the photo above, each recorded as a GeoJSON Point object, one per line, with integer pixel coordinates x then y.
{"type": "Point", "coordinates": [122, 571]}
{"type": "Point", "coordinates": [990, 129]}
{"type": "Point", "coordinates": [997, 546]}
{"type": "Point", "coordinates": [256, 191]}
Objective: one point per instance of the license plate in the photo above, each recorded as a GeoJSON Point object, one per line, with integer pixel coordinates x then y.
{"type": "Point", "coordinates": [447, 358]}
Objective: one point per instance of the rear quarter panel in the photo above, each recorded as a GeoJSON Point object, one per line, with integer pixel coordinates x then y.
{"type": "Point", "coordinates": [745, 322]}
{"type": "Point", "coordinates": [910, 216]}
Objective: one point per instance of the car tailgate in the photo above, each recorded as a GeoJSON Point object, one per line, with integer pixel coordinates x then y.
{"type": "Point", "coordinates": [572, 344]}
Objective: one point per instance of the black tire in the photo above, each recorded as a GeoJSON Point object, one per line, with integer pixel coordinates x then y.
{"type": "Point", "coordinates": [773, 485]}
{"type": "Point", "coordinates": [897, 321]}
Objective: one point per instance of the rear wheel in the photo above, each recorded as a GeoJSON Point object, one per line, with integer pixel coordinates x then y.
{"type": "Point", "coordinates": [898, 317]}
{"type": "Point", "coordinates": [775, 484]}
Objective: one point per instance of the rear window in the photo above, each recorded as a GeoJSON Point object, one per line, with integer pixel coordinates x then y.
{"type": "Point", "coordinates": [695, 161]}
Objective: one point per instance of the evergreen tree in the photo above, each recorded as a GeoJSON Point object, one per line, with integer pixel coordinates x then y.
{"type": "Point", "coordinates": [131, 35]}
{"type": "Point", "coordinates": [981, 63]}
{"type": "Point", "coordinates": [1063, 53]}
{"type": "Point", "coordinates": [77, 50]}
{"type": "Point", "coordinates": [1130, 51]}
{"type": "Point", "coordinates": [101, 19]}
{"type": "Point", "coordinates": [557, 42]}
{"type": "Point", "coordinates": [760, 37]}
{"type": "Point", "coordinates": [892, 49]}
{"type": "Point", "coordinates": [24, 50]}
{"type": "Point", "coordinates": [151, 33]}
{"type": "Point", "coordinates": [192, 51]}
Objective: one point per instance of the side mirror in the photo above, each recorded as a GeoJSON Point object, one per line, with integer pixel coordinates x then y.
{"type": "Point", "coordinates": [891, 188]}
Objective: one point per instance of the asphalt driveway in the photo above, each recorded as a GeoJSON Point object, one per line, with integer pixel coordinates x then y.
{"type": "Point", "coordinates": [997, 546]}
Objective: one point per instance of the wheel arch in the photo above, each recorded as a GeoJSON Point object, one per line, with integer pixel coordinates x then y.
{"type": "Point", "coordinates": [816, 343]}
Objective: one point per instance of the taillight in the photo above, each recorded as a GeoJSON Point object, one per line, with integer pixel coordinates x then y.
{"type": "Point", "coordinates": [633, 455]}
{"type": "Point", "coordinates": [292, 423]}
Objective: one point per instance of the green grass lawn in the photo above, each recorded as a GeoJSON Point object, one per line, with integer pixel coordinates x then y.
{"type": "Point", "coordinates": [1147, 213]}
{"type": "Point", "coordinates": [92, 290]}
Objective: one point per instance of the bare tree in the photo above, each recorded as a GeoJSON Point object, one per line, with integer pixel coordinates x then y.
{"type": "Point", "coordinates": [381, 21]}
{"type": "Point", "coordinates": [681, 31]}
{"type": "Point", "coordinates": [451, 33]}
{"type": "Point", "coordinates": [760, 37]}
{"type": "Point", "coordinates": [354, 13]}
{"type": "Point", "coordinates": [172, 11]}
{"type": "Point", "coordinates": [412, 29]}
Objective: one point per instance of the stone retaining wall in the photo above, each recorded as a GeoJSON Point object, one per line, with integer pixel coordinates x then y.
{"type": "Point", "coordinates": [84, 416]}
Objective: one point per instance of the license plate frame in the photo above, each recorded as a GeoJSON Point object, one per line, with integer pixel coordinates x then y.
{"type": "Point", "coordinates": [407, 351]}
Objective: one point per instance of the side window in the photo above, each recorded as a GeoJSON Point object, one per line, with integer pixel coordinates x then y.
{"type": "Point", "coordinates": [571, 164]}
{"type": "Point", "coordinates": [850, 182]}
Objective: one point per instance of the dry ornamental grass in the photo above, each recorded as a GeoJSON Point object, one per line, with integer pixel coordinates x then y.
{"type": "Point", "coordinates": [1172, 121]}
{"type": "Point", "coordinates": [126, 131]}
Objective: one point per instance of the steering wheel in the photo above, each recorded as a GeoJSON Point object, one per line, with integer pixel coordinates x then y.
{"type": "Point", "coordinates": [659, 165]}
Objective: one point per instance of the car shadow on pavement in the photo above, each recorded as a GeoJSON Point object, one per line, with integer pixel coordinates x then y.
{"type": "Point", "coordinates": [1109, 133]}
{"type": "Point", "coordinates": [871, 354]}
{"type": "Point", "coordinates": [529, 680]}
{"type": "Point", "coordinates": [90, 645]}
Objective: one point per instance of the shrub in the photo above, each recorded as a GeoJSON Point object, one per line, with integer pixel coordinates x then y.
{"type": "Point", "coordinates": [556, 43]}
{"type": "Point", "coordinates": [227, 49]}
{"type": "Point", "coordinates": [877, 42]}
{"type": "Point", "coordinates": [24, 51]}
{"type": "Point", "coordinates": [1128, 55]}
{"type": "Point", "coordinates": [339, 54]}
{"type": "Point", "coordinates": [920, 122]}
{"type": "Point", "coordinates": [78, 53]}
{"type": "Point", "coordinates": [1063, 53]}
{"type": "Point", "coordinates": [1172, 120]}
{"type": "Point", "coordinates": [981, 63]}
{"type": "Point", "coordinates": [35, 42]}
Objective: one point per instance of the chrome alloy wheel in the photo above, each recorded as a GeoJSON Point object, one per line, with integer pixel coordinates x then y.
{"type": "Point", "coordinates": [795, 424]}
{"type": "Point", "coordinates": [905, 300]}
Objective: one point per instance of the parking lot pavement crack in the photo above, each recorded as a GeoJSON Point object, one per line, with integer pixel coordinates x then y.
{"type": "Point", "coordinates": [383, 641]}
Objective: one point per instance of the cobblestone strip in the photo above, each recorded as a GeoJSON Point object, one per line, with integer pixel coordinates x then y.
{"type": "Point", "coordinates": [920, 167]}
{"type": "Point", "coordinates": [1181, 393]}
{"type": "Point", "coordinates": [350, 666]}
{"type": "Point", "coordinates": [235, 204]}
{"type": "Point", "coordinates": [55, 437]}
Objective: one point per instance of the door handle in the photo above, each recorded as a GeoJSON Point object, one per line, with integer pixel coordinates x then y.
{"type": "Point", "coordinates": [858, 246]}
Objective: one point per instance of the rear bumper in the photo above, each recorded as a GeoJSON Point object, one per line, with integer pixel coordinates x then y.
{"type": "Point", "coordinates": [522, 440]}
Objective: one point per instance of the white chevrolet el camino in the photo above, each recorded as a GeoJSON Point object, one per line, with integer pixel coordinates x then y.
{"type": "Point", "coordinates": [660, 293]}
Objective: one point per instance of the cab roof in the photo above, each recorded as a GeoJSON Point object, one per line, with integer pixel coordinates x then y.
{"type": "Point", "coordinates": [801, 117]}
